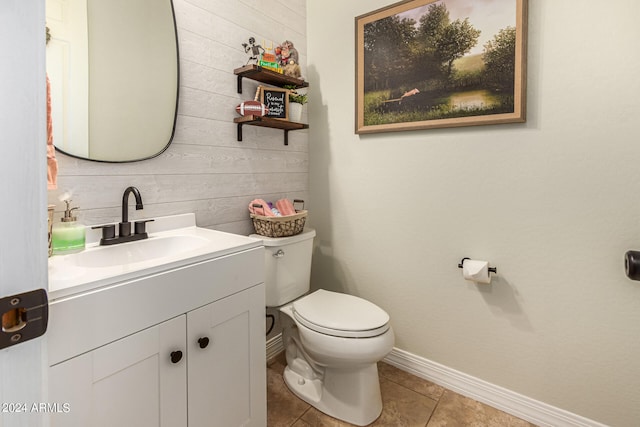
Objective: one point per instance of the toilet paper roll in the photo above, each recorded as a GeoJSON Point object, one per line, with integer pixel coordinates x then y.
{"type": "Point", "coordinates": [476, 271]}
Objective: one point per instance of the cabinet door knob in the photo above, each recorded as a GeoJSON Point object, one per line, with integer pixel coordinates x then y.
{"type": "Point", "coordinates": [176, 356]}
{"type": "Point", "coordinates": [203, 342]}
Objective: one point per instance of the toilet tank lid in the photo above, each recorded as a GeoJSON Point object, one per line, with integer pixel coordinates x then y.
{"type": "Point", "coordinates": [339, 311]}
{"type": "Point", "coordinates": [307, 233]}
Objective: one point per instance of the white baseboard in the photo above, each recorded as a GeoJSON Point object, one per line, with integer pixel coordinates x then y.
{"type": "Point", "coordinates": [274, 346]}
{"type": "Point", "coordinates": [513, 403]}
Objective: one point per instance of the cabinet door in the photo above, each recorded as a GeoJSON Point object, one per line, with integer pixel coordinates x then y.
{"type": "Point", "coordinates": [227, 378]}
{"type": "Point", "coordinates": [130, 382]}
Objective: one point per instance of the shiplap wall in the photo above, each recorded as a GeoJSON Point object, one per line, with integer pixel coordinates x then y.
{"type": "Point", "coordinates": [206, 170]}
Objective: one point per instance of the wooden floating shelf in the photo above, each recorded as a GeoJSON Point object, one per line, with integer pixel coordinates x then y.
{"type": "Point", "coordinates": [269, 123]}
{"type": "Point", "coordinates": [255, 72]}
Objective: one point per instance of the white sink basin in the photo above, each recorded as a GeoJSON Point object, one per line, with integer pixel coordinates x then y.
{"type": "Point", "coordinates": [139, 251]}
{"type": "Point", "coordinates": [173, 242]}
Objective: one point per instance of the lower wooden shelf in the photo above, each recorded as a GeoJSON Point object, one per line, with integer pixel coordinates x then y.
{"type": "Point", "coordinates": [268, 123]}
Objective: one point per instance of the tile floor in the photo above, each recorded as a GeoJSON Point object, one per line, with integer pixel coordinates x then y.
{"type": "Point", "coordinates": [407, 401]}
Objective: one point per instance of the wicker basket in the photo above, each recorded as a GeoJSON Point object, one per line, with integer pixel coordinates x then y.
{"type": "Point", "coordinates": [279, 226]}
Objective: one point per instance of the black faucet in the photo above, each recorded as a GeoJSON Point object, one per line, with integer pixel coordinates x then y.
{"type": "Point", "coordinates": [124, 227]}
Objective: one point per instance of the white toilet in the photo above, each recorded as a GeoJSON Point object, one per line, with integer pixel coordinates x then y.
{"type": "Point", "coordinates": [333, 341]}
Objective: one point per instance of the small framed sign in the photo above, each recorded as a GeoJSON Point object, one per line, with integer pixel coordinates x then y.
{"type": "Point", "coordinates": [277, 101]}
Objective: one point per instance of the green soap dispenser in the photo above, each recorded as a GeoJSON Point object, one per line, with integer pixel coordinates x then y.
{"type": "Point", "coordinates": [68, 236]}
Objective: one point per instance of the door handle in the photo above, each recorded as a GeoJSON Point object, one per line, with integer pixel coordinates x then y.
{"type": "Point", "coordinates": [24, 317]}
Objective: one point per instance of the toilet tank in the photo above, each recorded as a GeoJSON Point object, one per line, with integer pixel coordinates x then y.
{"type": "Point", "coordinates": [287, 266]}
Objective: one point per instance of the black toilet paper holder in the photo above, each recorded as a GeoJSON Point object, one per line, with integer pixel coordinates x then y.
{"type": "Point", "coordinates": [632, 265]}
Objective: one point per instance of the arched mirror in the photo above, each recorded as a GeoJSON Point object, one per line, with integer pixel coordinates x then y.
{"type": "Point", "coordinates": [113, 72]}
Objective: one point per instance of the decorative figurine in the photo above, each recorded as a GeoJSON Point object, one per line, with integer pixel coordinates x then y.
{"type": "Point", "coordinates": [256, 50]}
{"type": "Point", "coordinates": [288, 53]}
{"type": "Point", "coordinates": [292, 69]}
{"type": "Point", "coordinates": [269, 60]}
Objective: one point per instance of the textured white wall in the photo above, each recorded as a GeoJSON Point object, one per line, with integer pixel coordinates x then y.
{"type": "Point", "coordinates": [205, 170]}
{"type": "Point", "coordinates": [553, 203]}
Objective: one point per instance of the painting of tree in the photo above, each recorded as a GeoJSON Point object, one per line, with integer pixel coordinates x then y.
{"type": "Point", "coordinates": [426, 63]}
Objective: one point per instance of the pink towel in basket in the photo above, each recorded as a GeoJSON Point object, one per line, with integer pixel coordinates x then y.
{"type": "Point", "coordinates": [264, 210]}
{"type": "Point", "coordinates": [285, 207]}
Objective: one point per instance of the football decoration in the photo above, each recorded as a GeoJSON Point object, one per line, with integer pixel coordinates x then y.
{"type": "Point", "coordinates": [252, 108]}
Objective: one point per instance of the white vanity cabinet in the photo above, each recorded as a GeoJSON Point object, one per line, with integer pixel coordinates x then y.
{"type": "Point", "coordinates": [131, 382]}
{"type": "Point", "coordinates": [227, 378]}
{"type": "Point", "coordinates": [182, 347]}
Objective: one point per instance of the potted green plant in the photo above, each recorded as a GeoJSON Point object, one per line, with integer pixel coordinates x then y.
{"type": "Point", "coordinates": [296, 101]}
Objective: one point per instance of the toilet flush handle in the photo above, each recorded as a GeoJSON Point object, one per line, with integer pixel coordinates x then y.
{"type": "Point", "coordinates": [279, 254]}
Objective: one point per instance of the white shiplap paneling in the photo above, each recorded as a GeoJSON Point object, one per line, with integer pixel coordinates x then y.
{"type": "Point", "coordinates": [206, 170]}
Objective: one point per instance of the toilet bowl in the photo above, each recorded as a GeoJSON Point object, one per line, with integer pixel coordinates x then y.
{"type": "Point", "coordinates": [332, 368]}
{"type": "Point", "coordinates": [332, 340]}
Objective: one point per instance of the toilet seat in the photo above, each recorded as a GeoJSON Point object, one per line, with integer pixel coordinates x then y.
{"type": "Point", "coordinates": [340, 315]}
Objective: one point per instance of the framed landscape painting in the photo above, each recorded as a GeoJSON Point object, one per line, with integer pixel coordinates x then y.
{"type": "Point", "coordinates": [424, 64]}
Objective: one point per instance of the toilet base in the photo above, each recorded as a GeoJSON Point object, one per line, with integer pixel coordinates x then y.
{"type": "Point", "coordinates": [350, 395]}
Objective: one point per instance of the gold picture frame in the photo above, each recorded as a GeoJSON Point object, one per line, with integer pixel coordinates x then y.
{"type": "Point", "coordinates": [423, 64]}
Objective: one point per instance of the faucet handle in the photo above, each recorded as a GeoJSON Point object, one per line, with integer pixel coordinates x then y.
{"type": "Point", "coordinates": [108, 232]}
{"type": "Point", "coordinates": [140, 226]}
{"type": "Point", "coordinates": [124, 229]}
